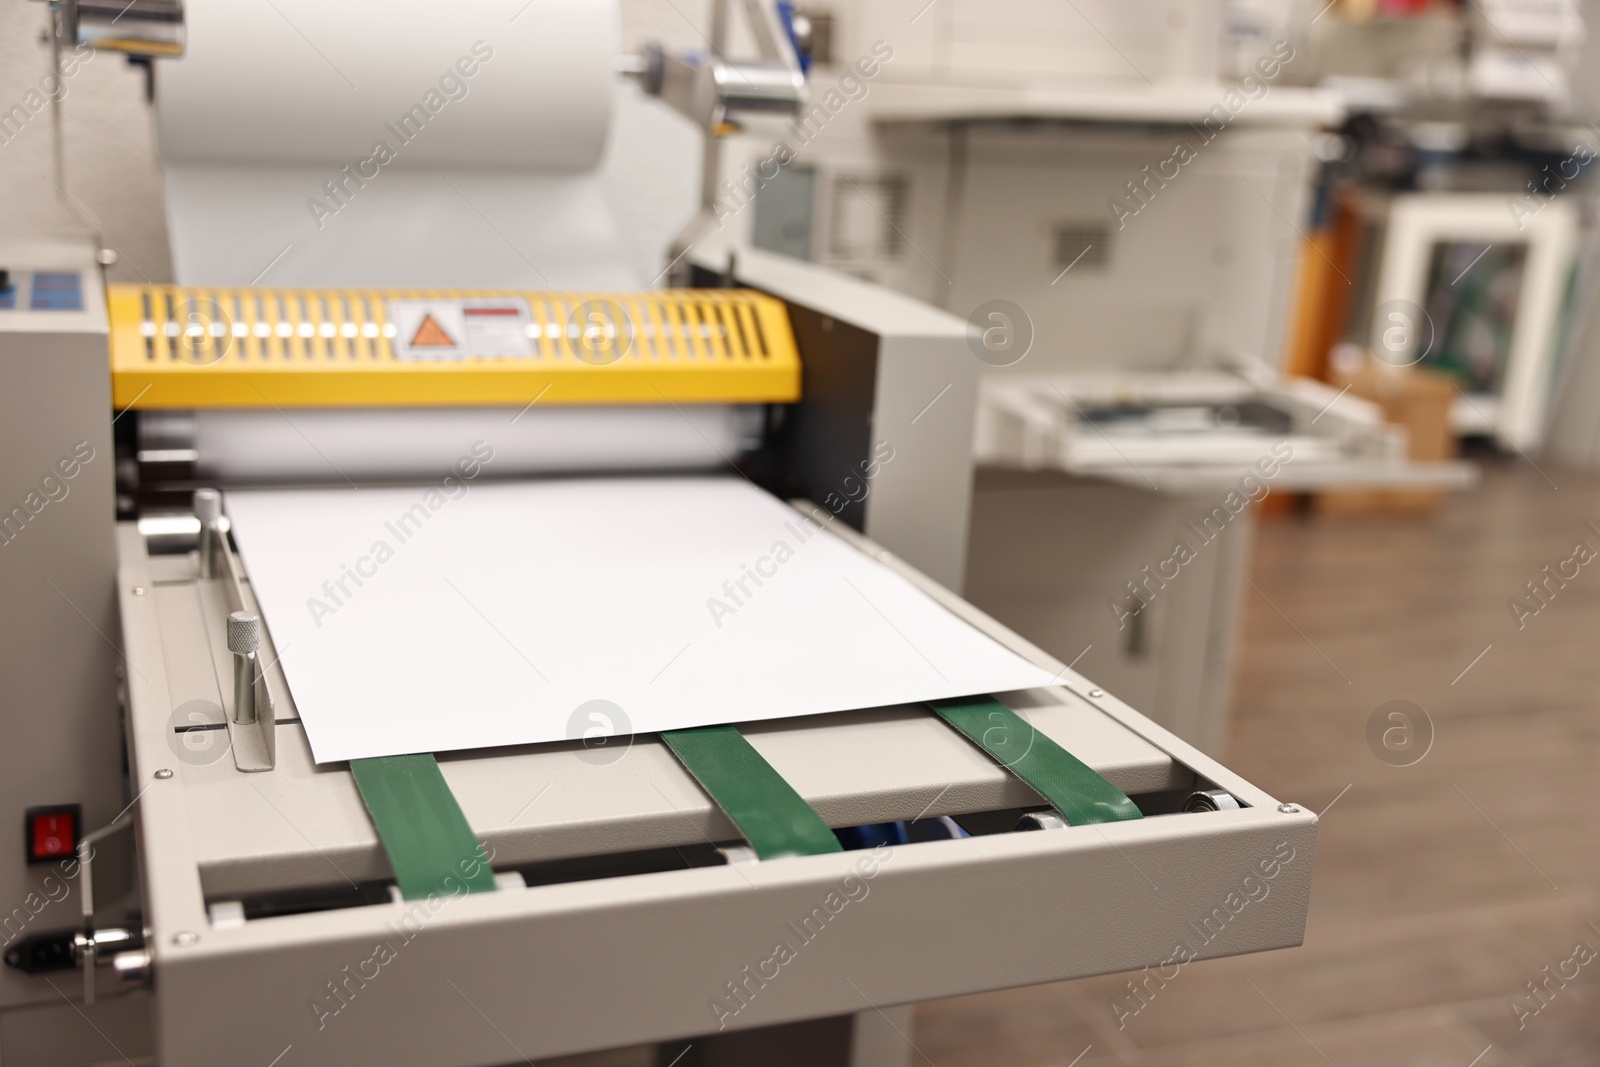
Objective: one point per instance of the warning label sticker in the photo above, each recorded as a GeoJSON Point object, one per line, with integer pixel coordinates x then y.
{"type": "Point", "coordinates": [482, 328]}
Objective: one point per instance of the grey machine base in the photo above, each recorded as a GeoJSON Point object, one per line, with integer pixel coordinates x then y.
{"type": "Point", "coordinates": [612, 939]}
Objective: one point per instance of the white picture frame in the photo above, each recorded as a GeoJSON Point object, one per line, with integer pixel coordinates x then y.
{"type": "Point", "coordinates": [1418, 223]}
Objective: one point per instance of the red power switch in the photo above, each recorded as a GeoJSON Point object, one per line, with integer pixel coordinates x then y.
{"type": "Point", "coordinates": [52, 833]}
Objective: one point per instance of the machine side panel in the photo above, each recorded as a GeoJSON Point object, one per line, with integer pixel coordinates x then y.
{"type": "Point", "coordinates": [58, 658]}
{"type": "Point", "coordinates": [827, 438]}
{"type": "Point", "coordinates": [882, 436]}
{"type": "Point", "coordinates": [919, 505]}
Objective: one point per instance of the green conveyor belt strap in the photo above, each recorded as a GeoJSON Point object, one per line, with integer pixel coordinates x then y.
{"type": "Point", "coordinates": [1071, 786]}
{"type": "Point", "coordinates": [431, 848]}
{"type": "Point", "coordinates": [773, 818]}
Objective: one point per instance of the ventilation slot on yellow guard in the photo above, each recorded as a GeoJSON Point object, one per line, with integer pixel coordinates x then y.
{"type": "Point", "coordinates": [190, 347]}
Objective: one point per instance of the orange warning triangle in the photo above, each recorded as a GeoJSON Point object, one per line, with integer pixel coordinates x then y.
{"type": "Point", "coordinates": [431, 335]}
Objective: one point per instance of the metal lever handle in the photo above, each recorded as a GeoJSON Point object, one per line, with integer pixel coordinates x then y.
{"type": "Point", "coordinates": [88, 946]}
{"type": "Point", "coordinates": [138, 27]}
{"type": "Point", "coordinates": [718, 95]}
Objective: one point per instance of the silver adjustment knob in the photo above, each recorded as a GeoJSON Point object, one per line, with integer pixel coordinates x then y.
{"type": "Point", "coordinates": [207, 505]}
{"type": "Point", "coordinates": [244, 632]}
{"type": "Point", "coordinates": [244, 641]}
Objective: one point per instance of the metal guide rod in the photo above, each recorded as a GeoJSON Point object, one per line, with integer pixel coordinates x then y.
{"type": "Point", "coordinates": [239, 664]}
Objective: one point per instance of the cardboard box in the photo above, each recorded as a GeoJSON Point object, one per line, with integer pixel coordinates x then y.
{"type": "Point", "coordinates": [1413, 397]}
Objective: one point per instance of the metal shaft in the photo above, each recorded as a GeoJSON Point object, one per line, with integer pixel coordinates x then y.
{"type": "Point", "coordinates": [208, 509]}
{"type": "Point", "coordinates": [58, 147]}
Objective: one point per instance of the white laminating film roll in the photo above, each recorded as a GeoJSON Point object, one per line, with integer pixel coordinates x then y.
{"type": "Point", "coordinates": [402, 143]}
{"type": "Point", "coordinates": [313, 82]}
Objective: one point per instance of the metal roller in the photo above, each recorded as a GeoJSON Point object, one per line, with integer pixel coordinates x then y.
{"type": "Point", "coordinates": [338, 445]}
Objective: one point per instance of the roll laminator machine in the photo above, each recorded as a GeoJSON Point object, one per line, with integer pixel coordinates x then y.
{"type": "Point", "coordinates": [629, 907]}
{"type": "Point", "coordinates": [731, 894]}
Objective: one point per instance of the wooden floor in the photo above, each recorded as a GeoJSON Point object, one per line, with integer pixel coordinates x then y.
{"type": "Point", "coordinates": [1441, 887]}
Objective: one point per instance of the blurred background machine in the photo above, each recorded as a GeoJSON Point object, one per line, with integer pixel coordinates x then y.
{"type": "Point", "coordinates": [1113, 195]}
{"type": "Point", "coordinates": [222, 896]}
{"type": "Point", "coordinates": [1182, 233]}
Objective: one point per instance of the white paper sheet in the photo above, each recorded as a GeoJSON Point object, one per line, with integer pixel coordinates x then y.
{"type": "Point", "coordinates": [473, 615]}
